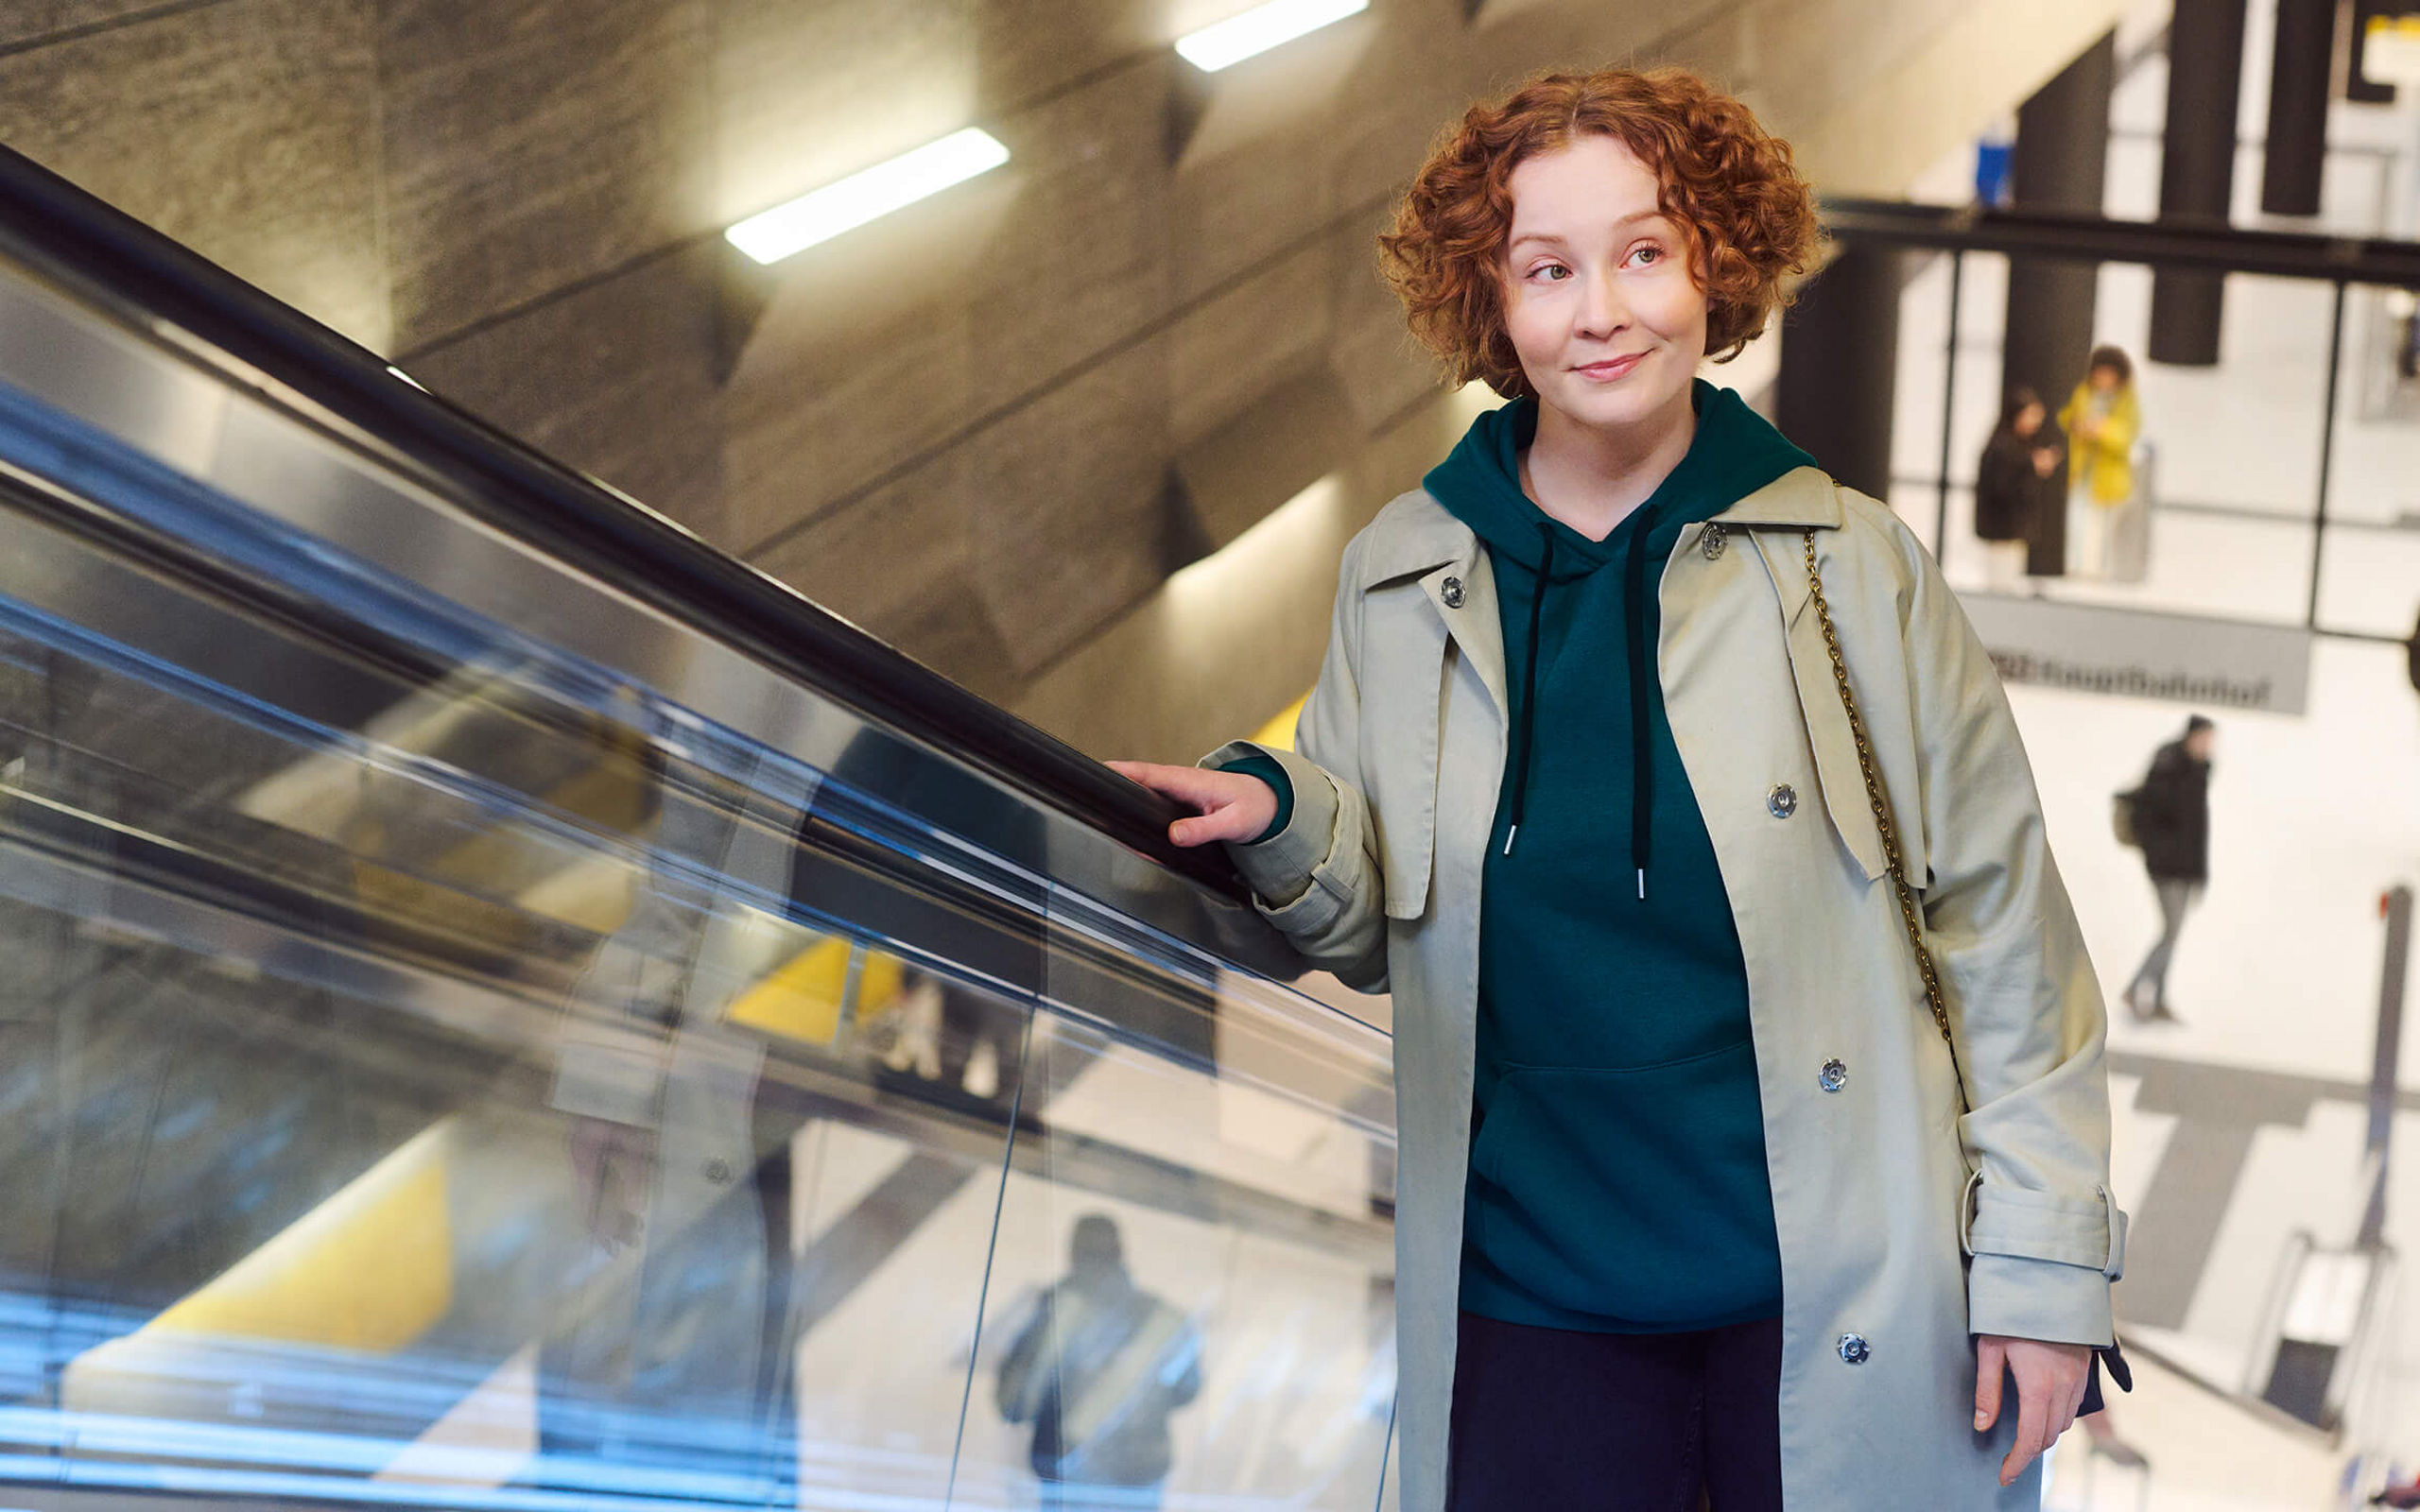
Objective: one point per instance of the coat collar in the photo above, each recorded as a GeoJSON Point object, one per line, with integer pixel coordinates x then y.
{"type": "Point", "coordinates": [1416, 534]}
{"type": "Point", "coordinates": [1412, 536]}
{"type": "Point", "coordinates": [1801, 498]}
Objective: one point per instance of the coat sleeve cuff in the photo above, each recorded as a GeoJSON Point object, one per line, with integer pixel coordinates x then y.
{"type": "Point", "coordinates": [2084, 1229]}
{"type": "Point", "coordinates": [1279, 865]}
{"type": "Point", "coordinates": [1267, 769]}
{"type": "Point", "coordinates": [2022, 1298]}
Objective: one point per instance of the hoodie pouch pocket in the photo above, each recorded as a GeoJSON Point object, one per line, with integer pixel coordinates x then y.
{"type": "Point", "coordinates": [1640, 1194]}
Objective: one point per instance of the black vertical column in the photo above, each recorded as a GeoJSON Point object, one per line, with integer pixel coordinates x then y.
{"type": "Point", "coordinates": [2298, 81]}
{"type": "Point", "coordinates": [1840, 365]}
{"type": "Point", "coordinates": [2197, 170]}
{"type": "Point", "coordinates": [2062, 163]}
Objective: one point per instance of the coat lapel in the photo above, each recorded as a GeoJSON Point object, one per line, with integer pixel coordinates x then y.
{"type": "Point", "coordinates": [1428, 543]}
{"type": "Point", "coordinates": [1803, 499]}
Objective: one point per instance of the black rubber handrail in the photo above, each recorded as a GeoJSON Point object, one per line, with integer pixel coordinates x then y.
{"type": "Point", "coordinates": [78, 238]}
{"type": "Point", "coordinates": [2198, 245]}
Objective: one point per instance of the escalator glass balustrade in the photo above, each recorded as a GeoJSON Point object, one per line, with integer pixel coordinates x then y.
{"type": "Point", "coordinates": [476, 1035]}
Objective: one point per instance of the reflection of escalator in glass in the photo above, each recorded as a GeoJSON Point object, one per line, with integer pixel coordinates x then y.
{"type": "Point", "coordinates": [438, 1053]}
{"type": "Point", "coordinates": [398, 1196]}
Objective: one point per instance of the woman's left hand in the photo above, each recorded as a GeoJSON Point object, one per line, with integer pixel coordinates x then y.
{"type": "Point", "coordinates": [2050, 1379]}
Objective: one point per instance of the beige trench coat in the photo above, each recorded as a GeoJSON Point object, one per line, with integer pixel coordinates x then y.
{"type": "Point", "coordinates": [1900, 1223]}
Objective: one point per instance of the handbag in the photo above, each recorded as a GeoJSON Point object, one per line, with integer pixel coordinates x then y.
{"type": "Point", "coordinates": [2122, 818]}
{"type": "Point", "coordinates": [1908, 913]}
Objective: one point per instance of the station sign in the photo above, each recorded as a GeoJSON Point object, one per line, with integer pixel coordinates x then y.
{"type": "Point", "coordinates": [2215, 664]}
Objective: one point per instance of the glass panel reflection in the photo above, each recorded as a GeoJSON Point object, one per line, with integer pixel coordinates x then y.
{"type": "Point", "coordinates": [469, 1081]}
{"type": "Point", "coordinates": [1220, 1334]}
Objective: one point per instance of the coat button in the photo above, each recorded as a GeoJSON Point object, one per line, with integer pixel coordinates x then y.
{"type": "Point", "coordinates": [1853, 1349]}
{"type": "Point", "coordinates": [1453, 592]}
{"type": "Point", "coordinates": [1833, 1076]}
{"type": "Point", "coordinates": [717, 1169]}
{"type": "Point", "coordinates": [1782, 800]}
{"type": "Point", "coordinates": [1712, 542]}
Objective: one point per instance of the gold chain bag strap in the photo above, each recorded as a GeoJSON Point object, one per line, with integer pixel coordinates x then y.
{"type": "Point", "coordinates": [1882, 821]}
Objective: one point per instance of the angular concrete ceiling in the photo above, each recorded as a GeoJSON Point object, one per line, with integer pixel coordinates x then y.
{"type": "Point", "coordinates": [991, 426]}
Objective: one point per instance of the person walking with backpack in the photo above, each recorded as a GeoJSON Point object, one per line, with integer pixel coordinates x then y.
{"type": "Point", "coordinates": [2171, 820]}
{"type": "Point", "coordinates": [1096, 1370]}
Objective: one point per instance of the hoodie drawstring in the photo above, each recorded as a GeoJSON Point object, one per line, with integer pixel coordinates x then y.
{"type": "Point", "coordinates": [1642, 751]}
{"type": "Point", "coordinates": [1526, 730]}
{"type": "Point", "coordinates": [1637, 660]}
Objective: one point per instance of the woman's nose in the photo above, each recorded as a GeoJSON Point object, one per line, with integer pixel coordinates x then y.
{"type": "Point", "coordinates": [1602, 310]}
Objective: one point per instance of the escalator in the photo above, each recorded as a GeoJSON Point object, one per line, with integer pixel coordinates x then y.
{"type": "Point", "coordinates": [503, 1007]}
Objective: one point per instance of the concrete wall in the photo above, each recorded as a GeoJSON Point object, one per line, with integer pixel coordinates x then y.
{"type": "Point", "coordinates": [990, 428]}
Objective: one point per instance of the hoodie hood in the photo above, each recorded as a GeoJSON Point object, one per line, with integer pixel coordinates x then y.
{"type": "Point", "coordinates": [1734, 452]}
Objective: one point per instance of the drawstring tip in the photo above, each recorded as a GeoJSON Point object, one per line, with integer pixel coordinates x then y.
{"type": "Point", "coordinates": [1642, 884]}
{"type": "Point", "coordinates": [1508, 838]}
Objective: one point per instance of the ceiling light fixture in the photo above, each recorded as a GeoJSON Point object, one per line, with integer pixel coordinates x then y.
{"type": "Point", "coordinates": [821, 214]}
{"type": "Point", "coordinates": [1260, 28]}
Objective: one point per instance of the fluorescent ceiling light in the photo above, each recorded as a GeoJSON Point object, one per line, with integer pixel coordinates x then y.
{"type": "Point", "coordinates": [1260, 28]}
{"type": "Point", "coordinates": [821, 214]}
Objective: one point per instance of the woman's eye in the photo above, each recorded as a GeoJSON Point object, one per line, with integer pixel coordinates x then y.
{"type": "Point", "coordinates": [1552, 272]}
{"type": "Point", "coordinates": [1653, 254]}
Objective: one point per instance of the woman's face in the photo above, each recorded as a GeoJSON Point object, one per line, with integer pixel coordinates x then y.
{"type": "Point", "coordinates": [1603, 307]}
{"type": "Point", "coordinates": [2029, 419]}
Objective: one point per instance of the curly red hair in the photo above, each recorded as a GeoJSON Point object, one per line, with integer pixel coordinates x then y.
{"type": "Point", "coordinates": [1727, 183]}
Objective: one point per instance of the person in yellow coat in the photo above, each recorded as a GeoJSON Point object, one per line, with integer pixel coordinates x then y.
{"type": "Point", "coordinates": [2101, 419]}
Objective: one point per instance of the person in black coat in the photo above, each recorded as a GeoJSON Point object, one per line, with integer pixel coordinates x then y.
{"type": "Point", "coordinates": [2173, 826]}
{"type": "Point", "coordinates": [2016, 487]}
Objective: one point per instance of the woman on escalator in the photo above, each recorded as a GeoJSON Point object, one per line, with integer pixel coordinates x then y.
{"type": "Point", "coordinates": [1753, 1127]}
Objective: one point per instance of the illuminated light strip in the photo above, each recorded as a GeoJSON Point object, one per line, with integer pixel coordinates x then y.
{"type": "Point", "coordinates": [35, 1469]}
{"type": "Point", "coordinates": [821, 214]}
{"type": "Point", "coordinates": [1260, 28]}
{"type": "Point", "coordinates": [126, 1439]}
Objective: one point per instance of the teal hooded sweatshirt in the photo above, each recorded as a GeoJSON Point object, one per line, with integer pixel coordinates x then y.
{"type": "Point", "coordinates": [1617, 1179]}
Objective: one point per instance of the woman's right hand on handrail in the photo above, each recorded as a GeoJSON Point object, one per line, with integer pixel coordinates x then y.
{"type": "Point", "coordinates": [1232, 805]}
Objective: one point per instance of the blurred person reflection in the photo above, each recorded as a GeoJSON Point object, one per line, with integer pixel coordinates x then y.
{"type": "Point", "coordinates": [949, 1042]}
{"type": "Point", "coordinates": [2016, 485]}
{"type": "Point", "coordinates": [670, 1323]}
{"type": "Point", "coordinates": [681, 1315]}
{"type": "Point", "coordinates": [2172, 826]}
{"type": "Point", "coordinates": [54, 984]}
{"type": "Point", "coordinates": [2102, 418]}
{"type": "Point", "coordinates": [1096, 1371]}
{"type": "Point", "coordinates": [971, 1025]}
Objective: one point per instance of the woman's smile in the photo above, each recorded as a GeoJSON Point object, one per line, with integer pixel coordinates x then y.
{"type": "Point", "coordinates": [1610, 369]}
